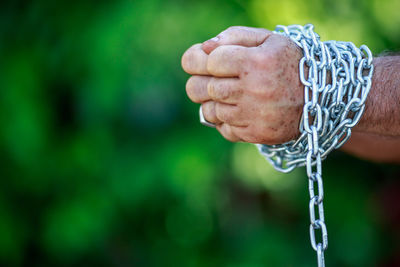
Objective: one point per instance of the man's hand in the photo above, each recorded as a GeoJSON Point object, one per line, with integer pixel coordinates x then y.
{"type": "Point", "coordinates": [247, 80]}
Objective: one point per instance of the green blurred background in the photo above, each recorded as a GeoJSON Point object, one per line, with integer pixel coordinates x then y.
{"type": "Point", "coordinates": [104, 162]}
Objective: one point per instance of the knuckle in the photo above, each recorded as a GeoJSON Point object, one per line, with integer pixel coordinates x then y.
{"type": "Point", "coordinates": [221, 90]}
{"type": "Point", "coordinates": [224, 91]}
{"type": "Point", "coordinates": [211, 88]}
{"type": "Point", "coordinates": [264, 59]}
{"type": "Point", "coordinates": [218, 90]}
{"type": "Point", "coordinates": [216, 53]}
{"type": "Point", "coordinates": [219, 53]}
{"type": "Point", "coordinates": [227, 113]}
{"type": "Point", "coordinates": [223, 114]}
{"type": "Point", "coordinates": [212, 60]}
{"type": "Point", "coordinates": [225, 53]}
{"type": "Point", "coordinates": [207, 108]}
{"type": "Point", "coordinates": [220, 113]}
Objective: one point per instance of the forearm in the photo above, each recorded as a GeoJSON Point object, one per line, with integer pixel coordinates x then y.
{"type": "Point", "coordinates": [377, 136]}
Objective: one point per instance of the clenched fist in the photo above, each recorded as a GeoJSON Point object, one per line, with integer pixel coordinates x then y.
{"type": "Point", "coordinates": [247, 80]}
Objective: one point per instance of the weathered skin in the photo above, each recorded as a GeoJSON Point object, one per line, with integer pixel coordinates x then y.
{"type": "Point", "coordinates": [247, 80]}
{"type": "Point", "coordinates": [253, 94]}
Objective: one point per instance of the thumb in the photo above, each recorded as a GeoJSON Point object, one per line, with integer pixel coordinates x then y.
{"type": "Point", "coordinates": [237, 35]}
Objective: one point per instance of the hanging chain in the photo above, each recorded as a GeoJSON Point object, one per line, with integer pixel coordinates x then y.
{"type": "Point", "coordinates": [332, 107]}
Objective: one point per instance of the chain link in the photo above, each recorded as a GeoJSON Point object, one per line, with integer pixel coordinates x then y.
{"type": "Point", "coordinates": [331, 109]}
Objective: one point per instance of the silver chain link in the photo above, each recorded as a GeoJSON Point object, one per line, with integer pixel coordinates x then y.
{"type": "Point", "coordinates": [331, 108]}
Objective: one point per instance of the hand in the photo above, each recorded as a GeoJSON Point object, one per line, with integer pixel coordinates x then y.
{"type": "Point", "coordinates": [247, 80]}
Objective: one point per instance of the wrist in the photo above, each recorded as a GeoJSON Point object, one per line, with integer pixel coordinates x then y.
{"type": "Point", "coordinates": [381, 106]}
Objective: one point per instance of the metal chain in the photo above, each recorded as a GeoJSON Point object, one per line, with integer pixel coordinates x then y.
{"type": "Point", "coordinates": [331, 109]}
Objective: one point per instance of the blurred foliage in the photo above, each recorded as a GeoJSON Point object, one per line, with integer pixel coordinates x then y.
{"type": "Point", "coordinates": [104, 163]}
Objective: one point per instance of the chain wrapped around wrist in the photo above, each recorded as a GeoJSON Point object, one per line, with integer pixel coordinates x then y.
{"type": "Point", "coordinates": [331, 109]}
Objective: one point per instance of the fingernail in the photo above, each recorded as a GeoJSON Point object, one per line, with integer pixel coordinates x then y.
{"type": "Point", "coordinates": [215, 39]}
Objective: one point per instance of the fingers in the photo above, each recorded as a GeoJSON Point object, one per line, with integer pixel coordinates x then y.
{"type": "Point", "coordinates": [218, 113]}
{"type": "Point", "coordinates": [237, 35]}
{"type": "Point", "coordinates": [196, 88]}
{"type": "Point", "coordinates": [227, 133]}
{"type": "Point", "coordinates": [225, 90]}
{"type": "Point", "coordinates": [194, 61]}
{"type": "Point", "coordinates": [209, 113]}
{"type": "Point", "coordinates": [226, 61]}
{"type": "Point", "coordinates": [222, 113]}
{"type": "Point", "coordinates": [230, 114]}
{"type": "Point", "coordinates": [226, 118]}
{"type": "Point", "coordinates": [231, 133]}
{"type": "Point", "coordinates": [205, 88]}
